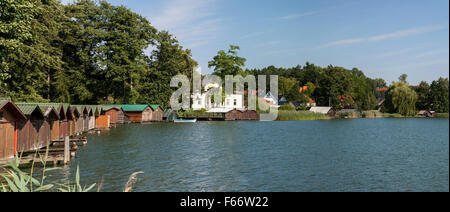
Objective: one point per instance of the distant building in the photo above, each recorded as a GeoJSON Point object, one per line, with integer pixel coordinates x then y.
{"type": "Point", "coordinates": [425, 113]}
{"type": "Point", "coordinates": [324, 110]}
{"type": "Point", "coordinates": [234, 101]}
{"type": "Point", "coordinates": [204, 101]}
{"type": "Point", "coordinates": [282, 100]}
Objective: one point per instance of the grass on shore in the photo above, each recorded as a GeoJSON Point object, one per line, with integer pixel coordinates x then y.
{"type": "Point", "coordinates": [442, 115]}
{"type": "Point", "coordinates": [393, 115]}
{"type": "Point", "coordinates": [284, 115]}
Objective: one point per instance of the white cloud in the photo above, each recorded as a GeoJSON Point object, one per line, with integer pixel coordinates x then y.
{"type": "Point", "coordinates": [309, 13]}
{"type": "Point", "coordinates": [402, 33]}
{"type": "Point", "coordinates": [396, 52]}
{"type": "Point", "coordinates": [191, 21]}
{"type": "Point", "coordinates": [432, 53]}
{"type": "Point", "coordinates": [419, 64]}
{"type": "Point", "coordinates": [299, 15]}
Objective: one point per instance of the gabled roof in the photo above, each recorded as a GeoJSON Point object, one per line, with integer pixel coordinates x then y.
{"type": "Point", "coordinates": [108, 108]}
{"type": "Point", "coordinates": [155, 107]}
{"type": "Point", "coordinates": [75, 111]}
{"type": "Point", "coordinates": [30, 109]}
{"type": "Point", "coordinates": [47, 109]}
{"type": "Point", "coordinates": [131, 108]}
{"type": "Point", "coordinates": [6, 104]}
{"type": "Point", "coordinates": [82, 109]}
{"type": "Point", "coordinates": [322, 110]}
{"type": "Point", "coordinates": [58, 107]}
{"type": "Point", "coordinates": [96, 109]}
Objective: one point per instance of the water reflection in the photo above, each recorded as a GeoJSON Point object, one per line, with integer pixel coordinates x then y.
{"type": "Point", "coordinates": [343, 155]}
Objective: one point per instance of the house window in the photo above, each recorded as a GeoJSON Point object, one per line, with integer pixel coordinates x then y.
{"type": "Point", "coordinates": [235, 102]}
{"type": "Point", "coordinates": [228, 102]}
{"type": "Point", "coordinates": [199, 102]}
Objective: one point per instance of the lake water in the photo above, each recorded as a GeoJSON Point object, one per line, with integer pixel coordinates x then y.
{"type": "Point", "coordinates": [335, 155]}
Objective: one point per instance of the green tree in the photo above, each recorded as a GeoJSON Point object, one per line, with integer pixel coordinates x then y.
{"type": "Point", "coordinates": [286, 87]}
{"type": "Point", "coordinates": [122, 53]}
{"type": "Point", "coordinates": [423, 93]}
{"type": "Point", "coordinates": [16, 18]}
{"type": "Point", "coordinates": [403, 98]}
{"type": "Point", "coordinates": [227, 63]}
{"type": "Point", "coordinates": [168, 60]}
{"type": "Point", "coordinates": [439, 91]}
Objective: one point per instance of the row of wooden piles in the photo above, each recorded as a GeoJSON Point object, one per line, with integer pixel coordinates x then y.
{"type": "Point", "coordinates": [28, 127]}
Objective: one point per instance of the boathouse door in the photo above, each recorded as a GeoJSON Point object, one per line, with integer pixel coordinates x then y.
{"type": "Point", "coordinates": [6, 140]}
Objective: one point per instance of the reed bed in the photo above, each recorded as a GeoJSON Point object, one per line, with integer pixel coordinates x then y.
{"type": "Point", "coordinates": [372, 114]}
{"type": "Point", "coordinates": [442, 115]}
{"type": "Point", "coordinates": [284, 115]}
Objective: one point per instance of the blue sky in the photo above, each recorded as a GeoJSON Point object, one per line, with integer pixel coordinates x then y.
{"type": "Point", "coordinates": [384, 38]}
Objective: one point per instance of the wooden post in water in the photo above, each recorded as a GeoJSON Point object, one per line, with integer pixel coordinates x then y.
{"type": "Point", "coordinates": [66, 150]}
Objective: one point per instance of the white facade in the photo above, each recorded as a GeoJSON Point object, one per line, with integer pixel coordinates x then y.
{"type": "Point", "coordinates": [234, 101]}
{"type": "Point", "coordinates": [200, 101]}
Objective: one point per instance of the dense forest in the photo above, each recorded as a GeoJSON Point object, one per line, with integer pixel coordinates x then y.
{"type": "Point", "coordinates": [92, 52]}
{"type": "Point", "coordinates": [85, 53]}
{"type": "Point", "coordinates": [342, 88]}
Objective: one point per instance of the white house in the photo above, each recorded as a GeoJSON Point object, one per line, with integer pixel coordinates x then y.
{"type": "Point", "coordinates": [234, 101]}
{"type": "Point", "coordinates": [201, 101]}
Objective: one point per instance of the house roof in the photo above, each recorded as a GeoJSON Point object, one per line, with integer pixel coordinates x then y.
{"type": "Point", "coordinates": [131, 108]}
{"type": "Point", "coordinates": [50, 110]}
{"type": "Point", "coordinates": [29, 109]}
{"type": "Point", "coordinates": [423, 112]}
{"type": "Point", "coordinates": [322, 110]}
{"type": "Point", "coordinates": [154, 107]}
{"type": "Point", "coordinates": [81, 108]}
{"type": "Point", "coordinates": [12, 108]}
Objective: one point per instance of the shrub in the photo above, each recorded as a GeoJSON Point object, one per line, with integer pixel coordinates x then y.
{"type": "Point", "coordinates": [287, 107]}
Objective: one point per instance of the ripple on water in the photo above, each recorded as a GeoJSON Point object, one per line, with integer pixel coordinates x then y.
{"type": "Point", "coordinates": [338, 155]}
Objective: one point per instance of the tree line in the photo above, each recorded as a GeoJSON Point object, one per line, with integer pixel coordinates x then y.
{"type": "Point", "coordinates": [342, 88]}
{"type": "Point", "coordinates": [91, 52]}
{"type": "Point", "coordinates": [86, 53]}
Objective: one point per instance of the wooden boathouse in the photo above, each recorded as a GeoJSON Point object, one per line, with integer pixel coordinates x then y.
{"type": "Point", "coordinates": [55, 126]}
{"type": "Point", "coordinates": [157, 113]}
{"type": "Point", "coordinates": [81, 125]}
{"type": "Point", "coordinates": [30, 136]}
{"type": "Point", "coordinates": [137, 113]}
{"type": "Point", "coordinates": [91, 120]}
{"type": "Point", "coordinates": [10, 115]}
{"type": "Point", "coordinates": [102, 120]}
{"type": "Point", "coordinates": [115, 113]}
{"type": "Point", "coordinates": [51, 118]}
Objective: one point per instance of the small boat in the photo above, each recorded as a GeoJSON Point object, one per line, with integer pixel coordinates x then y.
{"type": "Point", "coordinates": [185, 120]}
